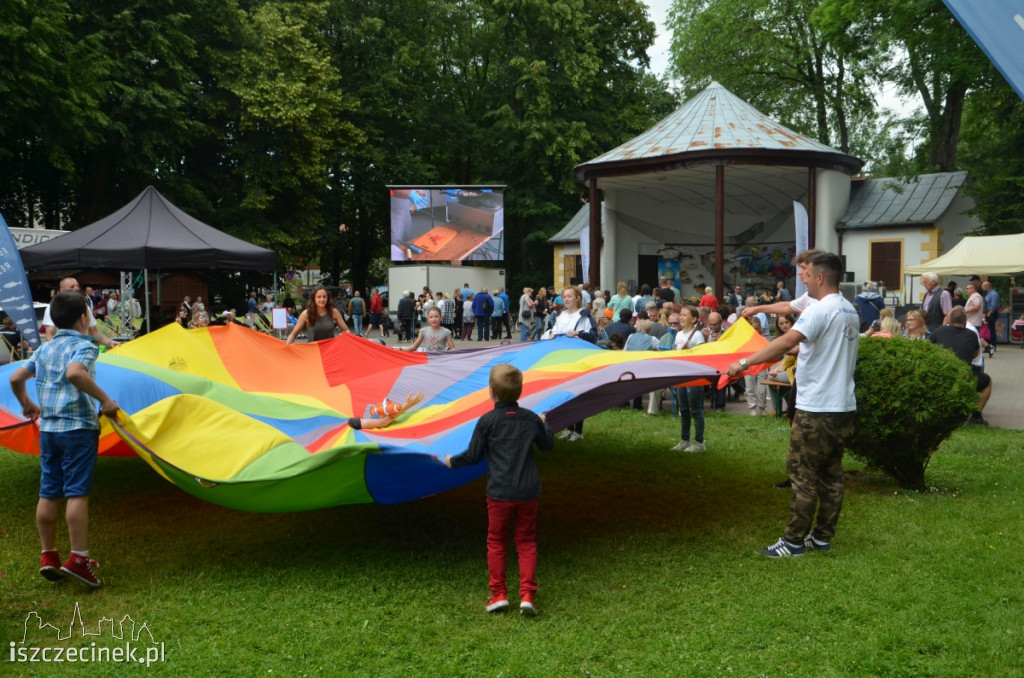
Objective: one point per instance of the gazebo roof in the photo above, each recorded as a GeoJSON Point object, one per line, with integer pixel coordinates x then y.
{"type": "Point", "coordinates": [664, 179]}
{"type": "Point", "coordinates": [716, 124]}
{"type": "Point", "coordinates": [715, 119]}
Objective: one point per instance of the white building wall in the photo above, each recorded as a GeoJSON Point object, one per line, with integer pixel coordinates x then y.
{"type": "Point", "coordinates": [955, 224]}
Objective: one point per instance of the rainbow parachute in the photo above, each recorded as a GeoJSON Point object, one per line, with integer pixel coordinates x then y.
{"type": "Point", "coordinates": [241, 419]}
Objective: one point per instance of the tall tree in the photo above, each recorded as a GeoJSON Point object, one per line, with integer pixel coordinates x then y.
{"type": "Point", "coordinates": [773, 54]}
{"type": "Point", "coordinates": [930, 56]}
{"type": "Point", "coordinates": [291, 120]}
{"type": "Point", "coordinates": [150, 50]}
{"type": "Point", "coordinates": [51, 85]}
{"type": "Point", "coordinates": [990, 143]}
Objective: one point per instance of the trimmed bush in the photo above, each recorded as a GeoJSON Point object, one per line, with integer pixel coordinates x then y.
{"type": "Point", "coordinates": [911, 395]}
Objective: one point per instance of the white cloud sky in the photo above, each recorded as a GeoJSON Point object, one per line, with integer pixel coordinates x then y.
{"type": "Point", "coordinates": [659, 51]}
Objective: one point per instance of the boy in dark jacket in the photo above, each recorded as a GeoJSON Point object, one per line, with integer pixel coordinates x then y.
{"type": "Point", "coordinates": [505, 436]}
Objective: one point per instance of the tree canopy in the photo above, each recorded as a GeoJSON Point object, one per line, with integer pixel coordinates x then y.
{"type": "Point", "coordinates": [818, 65]}
{"type": "Point", "coordinates": [279, 121]}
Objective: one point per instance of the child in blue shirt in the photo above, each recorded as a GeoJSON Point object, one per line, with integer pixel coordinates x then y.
{"type": "Point", "coordinates": [68, 433]}
{"type": "Point", "coordinates": [505, 436]}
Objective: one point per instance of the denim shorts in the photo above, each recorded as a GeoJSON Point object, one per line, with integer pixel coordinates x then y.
{"type": "Point", "coordinates": [67, 461]}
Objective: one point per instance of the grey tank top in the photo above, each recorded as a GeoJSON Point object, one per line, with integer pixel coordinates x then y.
{"type": "Point", "coordinates": [322, 328]}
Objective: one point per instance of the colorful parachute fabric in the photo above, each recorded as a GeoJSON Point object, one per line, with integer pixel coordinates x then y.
{"type": "Point", "coordinates": [241, 419]}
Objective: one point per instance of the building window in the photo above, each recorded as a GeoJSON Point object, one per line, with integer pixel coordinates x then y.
{"type": "Point", "coordinates": [887, 263]}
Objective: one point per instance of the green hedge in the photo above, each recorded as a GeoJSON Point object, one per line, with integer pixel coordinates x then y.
{"type": "Point", "coordinates": [911, 395]}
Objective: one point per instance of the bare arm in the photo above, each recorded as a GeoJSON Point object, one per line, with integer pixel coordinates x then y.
{"type": "Point", "coordinates": [29, 408]}
{"type": "Point", "coordinates": [300, 324]}
{"type": "Point", "coordinates": [776, 308]}
{"type": "Point", "coordinates": [94, 331]}
{"type": "Point", "coordinates": [773, 351]}
{"type": "Point", "coordinates": [339, 321]}
{"type": "Point", "coordinates": [416, 344]}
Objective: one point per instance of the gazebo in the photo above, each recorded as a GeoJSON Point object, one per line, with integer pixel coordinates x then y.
{"type": "Point", "coordinates": [716, 171]}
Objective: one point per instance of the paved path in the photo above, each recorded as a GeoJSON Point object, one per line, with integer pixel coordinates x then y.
{"type": "Point", "coordinates": [1005, 408]}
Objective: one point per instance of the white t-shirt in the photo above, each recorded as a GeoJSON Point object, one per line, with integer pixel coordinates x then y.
{"type": "Point", "coordinates": [688, 339]}
{"type": "Point", "coordinates": [828, 356]}
{"type": "Point", "coordinates": [802, 302]}
{"type": "Point", "coordinates": [48, 321]}
{"type": "Point", "coordinates": [568, 322]}
{"type": "Point", "coordinates": [979, 360]}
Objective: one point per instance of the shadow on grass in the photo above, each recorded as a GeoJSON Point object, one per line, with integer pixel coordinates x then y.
{"type": "Point", "coordinates": [596, 493]}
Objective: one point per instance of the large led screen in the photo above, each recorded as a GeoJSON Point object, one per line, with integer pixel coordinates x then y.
{"type": "Point", "coordinates": [447, 223]}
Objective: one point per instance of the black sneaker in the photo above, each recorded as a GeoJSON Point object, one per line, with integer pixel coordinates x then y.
{"type": "Point", "coordinates": [782, 549]}
{"type": "Point", "coordinates": [812, 544]}
{"type": "Point", "coordinates": [976, 420]}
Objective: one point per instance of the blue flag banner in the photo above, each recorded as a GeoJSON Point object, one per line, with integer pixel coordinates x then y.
{"type": "Point", "coordinates": [15, 295]}
{"type": "Point", "coordinates": [998, 28]}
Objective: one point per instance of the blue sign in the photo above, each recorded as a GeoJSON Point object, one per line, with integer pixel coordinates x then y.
{"type": "Point", "coordinates": [15, 295]}
{"type": "Point", "coordinates": [998, 28]}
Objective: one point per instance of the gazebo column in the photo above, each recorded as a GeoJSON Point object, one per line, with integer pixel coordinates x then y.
{"type": "Point", "coordinates": [594, 273]}
{"type": "Point", "coordinates": [719, 229]}
{"type": "Point", "coordinates": [812, 195]}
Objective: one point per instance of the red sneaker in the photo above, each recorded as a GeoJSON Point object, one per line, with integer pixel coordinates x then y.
{"type": "Point", "coordinates": [498, 603]}
{"type": "Point", "coordinates": [526, 605]}
{"type": "Point", "coordinates": [81, 568]}
{"type": "Point", "coordinates": [49, 566]}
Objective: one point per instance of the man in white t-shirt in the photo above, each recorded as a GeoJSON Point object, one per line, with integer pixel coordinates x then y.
{"type": "Point", "coordinates": [49, 329]}
{"type": "Point", "coordinates": [828, 332]}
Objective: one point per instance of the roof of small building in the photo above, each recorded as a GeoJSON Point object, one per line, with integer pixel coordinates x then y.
{"type": "Point", "coordinates": [570, 233]}
{"type": "Point", "coordinates": [921, 199]}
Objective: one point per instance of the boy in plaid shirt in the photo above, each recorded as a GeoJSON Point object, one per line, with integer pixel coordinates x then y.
{"type": "Point", "coordinates": [68, 433]}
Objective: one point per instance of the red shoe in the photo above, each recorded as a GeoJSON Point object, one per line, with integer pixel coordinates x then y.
{"type": "Point", "coordinates": [498, 603]}
{"type": "Point", "coordinates": [526, 607]}
{"type": "Point", "coordinates": [81, 568]}
{"type": "Point", "coordinates": [49, 565]}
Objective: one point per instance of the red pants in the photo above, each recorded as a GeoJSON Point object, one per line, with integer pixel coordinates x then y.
{"type": "Point", "coordinates": [501, 517]}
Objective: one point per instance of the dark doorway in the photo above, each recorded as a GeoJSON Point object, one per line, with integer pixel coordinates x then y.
{"type": "Point", "coordinates": [647, 269]}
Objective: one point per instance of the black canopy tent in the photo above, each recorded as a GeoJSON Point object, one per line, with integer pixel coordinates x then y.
{"type": "Point", "coordinates": [148, 233]}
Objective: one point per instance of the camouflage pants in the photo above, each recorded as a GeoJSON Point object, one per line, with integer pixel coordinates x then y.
{"type": "Point", "coordinates": [815, 468]}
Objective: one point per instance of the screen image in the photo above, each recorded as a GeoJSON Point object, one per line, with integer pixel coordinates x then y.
{"type": "Point", "coordinates": [447, 223]}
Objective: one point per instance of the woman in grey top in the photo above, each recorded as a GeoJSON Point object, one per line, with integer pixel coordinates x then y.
{"type": "Point", "coordinates": [433, 337]}
{"type": "Point", "coordinates": [320, 315]}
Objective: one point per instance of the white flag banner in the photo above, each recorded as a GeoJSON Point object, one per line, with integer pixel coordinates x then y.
{"type": "Point", "coordinates": [800, 219]}
{"type": "Point", "coordinates": [584, 254]}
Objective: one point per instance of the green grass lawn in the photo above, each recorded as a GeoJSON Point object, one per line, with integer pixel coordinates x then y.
{"type": "Point", "coordinates": [647, 567]}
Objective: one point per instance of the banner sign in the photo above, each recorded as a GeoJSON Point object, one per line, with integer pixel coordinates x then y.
{"type": "Point", "coordinates": [15, 295]}
{"type": "Point", "coordinates": [800, 219]}
{"type": "Point", "coordinates": [998, 28]}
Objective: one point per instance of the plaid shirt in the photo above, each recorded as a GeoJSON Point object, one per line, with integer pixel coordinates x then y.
{"type": "Point", "coordinates": [64, 407]}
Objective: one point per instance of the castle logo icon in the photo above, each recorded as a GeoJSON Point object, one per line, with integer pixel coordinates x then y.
{"type": "Point", "coordinates": [126, 641]}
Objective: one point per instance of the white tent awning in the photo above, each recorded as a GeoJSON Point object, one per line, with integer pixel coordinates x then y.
{"type": "Point", "coordinates": [984, 255]}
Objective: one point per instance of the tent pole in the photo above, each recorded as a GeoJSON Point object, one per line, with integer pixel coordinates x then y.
{"type": "Point", "coordinates": [145, 277]}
